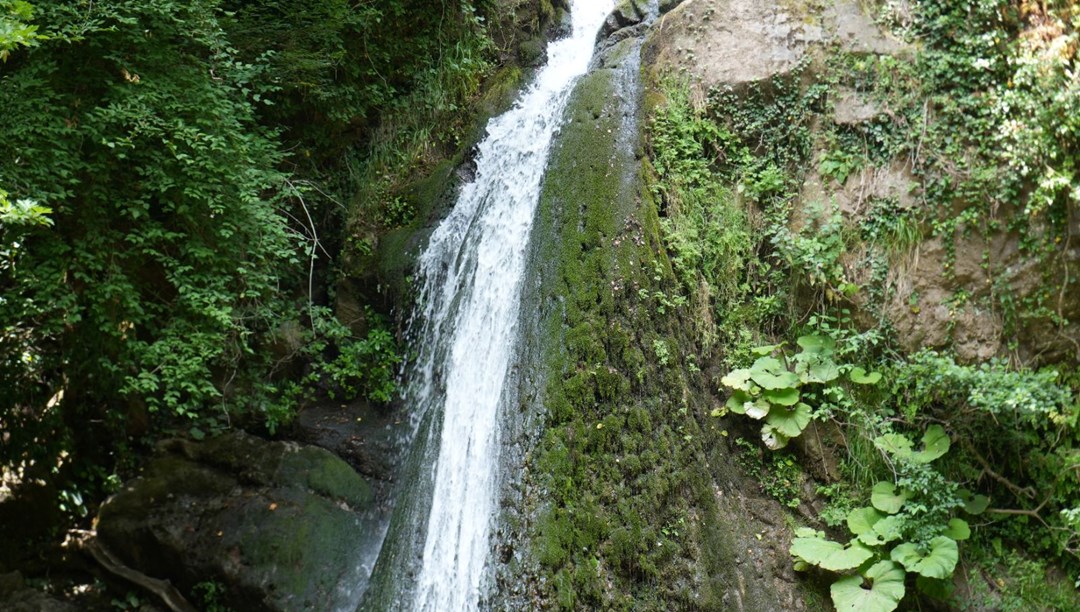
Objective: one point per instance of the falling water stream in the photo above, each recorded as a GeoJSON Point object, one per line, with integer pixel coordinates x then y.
{"type": "Point", "coordinates": [471, 275]}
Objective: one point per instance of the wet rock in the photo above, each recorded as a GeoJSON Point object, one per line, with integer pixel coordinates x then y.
{"type": "Point", "coordinates": [363, 435]}
{"type": "Point", "coordinates": [627, 13]}
{"type": "Point", "coordinates": [17, 596]}
{"type": "Point", "coordinates": [279, 525]}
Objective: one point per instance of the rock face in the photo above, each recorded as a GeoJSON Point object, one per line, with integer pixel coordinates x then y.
{"type": "Point", "coordinates": [732, 42]}
{"type": "Point", "coordinates": [628, 445]}
{"type": "Point", "coordinates": [17, 596]}
{"type": "Point", "coordinates": [729, 42]}
{"type": "Point", "coordinates": [279, 525]}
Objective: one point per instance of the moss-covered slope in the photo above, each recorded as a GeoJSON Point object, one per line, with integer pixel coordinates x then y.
{"type": "Point", "coordinates": [634, 503]}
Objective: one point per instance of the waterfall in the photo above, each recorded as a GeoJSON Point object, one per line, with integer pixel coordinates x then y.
{"type": "Point", "coordinates": [471, 275]}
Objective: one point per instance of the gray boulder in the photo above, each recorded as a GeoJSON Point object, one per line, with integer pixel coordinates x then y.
{"type": "Point", "coordinates": [280, 526]}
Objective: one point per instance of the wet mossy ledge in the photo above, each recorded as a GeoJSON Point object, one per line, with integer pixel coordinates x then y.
{"type": "Point", "coordinates": [629, 498]}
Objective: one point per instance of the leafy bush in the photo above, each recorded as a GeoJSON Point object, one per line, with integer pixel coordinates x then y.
{"type": "Point", "coordinates": [906, 528]}
{"type": "Point", "coordinates": [779, 392]}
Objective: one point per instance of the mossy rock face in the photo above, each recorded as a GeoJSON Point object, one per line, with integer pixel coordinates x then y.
{"type": "Point", "coordinates": [626, 489]}
{"type": "Point", "coordinates": [278, 524]}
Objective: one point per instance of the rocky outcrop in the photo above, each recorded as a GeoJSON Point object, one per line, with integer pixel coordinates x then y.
{"type": "Point", "coordinates": [631, 499]}
{"type": "Point", "coordinates": [279, 525]}
{"type": "Point", "coordinates": [732, 42]}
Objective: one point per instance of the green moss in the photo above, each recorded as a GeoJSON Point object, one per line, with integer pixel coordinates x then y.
{"type": "Point", "coordinates": [605, 462]}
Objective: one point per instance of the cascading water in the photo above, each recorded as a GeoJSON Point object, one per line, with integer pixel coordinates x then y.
{"type": "Point", "coordinates": [471, 274]}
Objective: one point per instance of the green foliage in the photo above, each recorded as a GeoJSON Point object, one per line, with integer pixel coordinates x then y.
{"type": "Point", "coordinates": [363, 367]}
{"type": "Point", "coordinates": [885, 592]}
{"type": "Point", "coordinates": [1001, 412]}
{"type": "Point", "coordinates": [780, 474]}
{"type": "Point", "coordinates": [778, 392]}
{"type": "Point", "coordinates": [983, 115]}
{"type": "Point", "coordinates": [210, 594]}
{"type": "Point", "coordinates": [15, 27]}
{"type": "Point", "coordinates": [907, 527]}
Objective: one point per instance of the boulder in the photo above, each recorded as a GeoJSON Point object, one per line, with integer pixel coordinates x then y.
{"type": "Point", "coordinates": [17, 596]}
{"type": "Point", "coordinates": [280, 526]}
{"type": "Point", "coordinates": [626, 13]}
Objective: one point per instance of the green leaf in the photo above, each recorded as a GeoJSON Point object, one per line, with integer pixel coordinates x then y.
{"type": "Point", "coordinates": [935, 444]}
{"type": "Point", "coordinates": [765, 350]}
{"type": "Point", "coordinates": [772, 438]}
{"type": "Point", "coordinates": [897, 445]}
{"type": "Point", "coordinates": [974, 504]}
{"type": "Point", "coordinates": [782, 397]}
{"type": "Point", "coordinates": [889, 528]}
{"type": "Point", "coordinates": [884, 595]}
{"type": "Point", "coordinates": [958, 530]}
{"type": "Point", "coordinates": [814, 343]}
{"type": "Point", "coordinates": [737, 379]}
{"type": "Point", "coordinates": [757, 409]}
{"type": "Point", "coordinates": [771, 374]}
{"type": "Point", "coordinates": [823, 371]}
{"type": "Point", "coordinates": [789, 421]}
{"type": "Point", "coordinates": [862, 520]}
{"type": "Point", "coordinates": [885, 498]}
{"type": "Point", "coordinates": [737, 402]}
{"type": "Point", "coordinates": [859, 376]}
{"type": "Point", "coordinates": [830, 555]}
{"type": "Point", "coordinates": [938, 563]}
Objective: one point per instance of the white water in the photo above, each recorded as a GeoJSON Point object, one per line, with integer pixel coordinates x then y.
{"type": "Point", "coordinates": [472, 272]}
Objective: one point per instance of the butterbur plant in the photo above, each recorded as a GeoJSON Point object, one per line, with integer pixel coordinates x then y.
{"type": "Point", "coordinates": [907, 529]}
{"type": "Point", "coordinates": [785, 393]}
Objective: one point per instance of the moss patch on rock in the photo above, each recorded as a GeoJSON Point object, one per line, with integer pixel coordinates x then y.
{"type": "Point", "coordinates": [628, 483]}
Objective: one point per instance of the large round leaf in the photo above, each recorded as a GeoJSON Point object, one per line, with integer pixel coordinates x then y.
{"type": "Point", "coordinates": [974, 504]}
{"type": "Point", "coordinates": [862, 520]}
{"type": "Point", "coordinates": [897, 445]}
{"type": "Point", "coordinates": [884, 595]}
{"type": "Point", "coordinates": [737, 379]}
{"type": "Point", "coordinates": [889, 528]}
{"type": "Point", "coordinates": [935, 444]}
{"type": "Point", "coordinates": [771, 374]}
{"type": "Point", "coordinates": [938, 562]}
{"type": "Point", "coordinates": [829, 555]}
{"type": "Point", "coordinates": [823, 345]}
{"type": "Point", "coordinates": [958, 530]}
{"type": "Point", "coordinates": [823, 371]}
{"type": "Point", "coordinates": [860, 376]}
{"type": "Point", "coordinates": [773, 439]}
{"type": "Point", "coordinates": [873, 528]}
{"type": "Point", "coordinates": [757, 409]}
{"type": "Point", "coordinates": [765, 350]}
{"type": "Point", "coordinates": [884, 497]}
{"type": "Point", "coordinates": [782, 397]}
{"type": "Point", "coordinates": [789, 421]}
{"type": "Point", "coordinates": [737, 402]}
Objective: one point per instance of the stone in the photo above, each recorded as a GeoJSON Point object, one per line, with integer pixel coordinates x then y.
{"type": "Point", "coordinates": [627, 13]}
{"type": "Point", "coordinates": [280, 525]}
{"type": "Point", "coordinates": [17, 596]}
{"type": "Point", "coordinates": [852, 108]}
